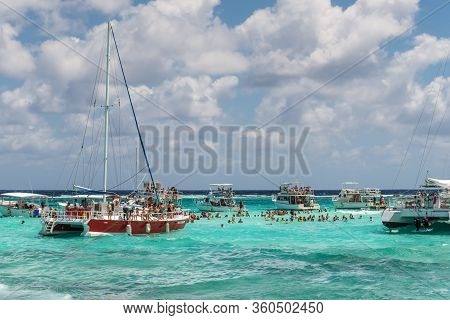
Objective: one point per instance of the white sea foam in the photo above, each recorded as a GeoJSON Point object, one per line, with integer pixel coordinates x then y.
{"type": "Point", "coordinates": [193, 196]}
{"type": "Point", "coordinates": [253, 196]}
{"type": "Point", "coordinates": [11, 293]}
{"type": "Point", "coordinates": [356, 212]}
{"type": "Point", "coordinates": [200, 196]}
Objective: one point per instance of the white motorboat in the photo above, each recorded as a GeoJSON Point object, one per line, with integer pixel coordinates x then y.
{"type": "Point", "coordinates": [430, 205]}
{"type": "Point", "coordinates": [293, 197]}
{"type": "Point", "coordinates": [351, 197]}
{"type": "Point", "coordinates": [219, 199]}
{"type": "Point", "coordinates": [22, 204]}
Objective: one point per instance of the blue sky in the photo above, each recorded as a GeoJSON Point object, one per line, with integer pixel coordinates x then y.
{"type": "Point", "coordinates": [211, 62]}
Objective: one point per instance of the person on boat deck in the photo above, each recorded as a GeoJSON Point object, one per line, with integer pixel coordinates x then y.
{"type": "Point", "coordinates": [435, 197]}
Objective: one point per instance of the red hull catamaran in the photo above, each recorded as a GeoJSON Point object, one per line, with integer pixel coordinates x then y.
{"type": "Point", "coordinates": [144, 213]}
{"type": "Point", "coordinates": [73, 225]}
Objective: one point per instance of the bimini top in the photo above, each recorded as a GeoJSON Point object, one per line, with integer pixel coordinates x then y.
{"type": "Point", "coordinates": [431, 182]}
{"type": "Point", "coordinates": [82, 196]}
{"type": "Point", "coordinates": [349, 184]}
{"type": "Point", "coordinates": [23, 195]}
{"type": "Point", "coordinates": [290, 183]}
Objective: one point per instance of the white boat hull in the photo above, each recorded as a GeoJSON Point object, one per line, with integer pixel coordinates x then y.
{"type": "Point", "coordinates": [210, 208]}
{"type": "Point", "coordinates": [297, 207]}
{"type": "Point", "coordinates": [350, 205]}
{"type": "Point", "coordinates": [395, 218]}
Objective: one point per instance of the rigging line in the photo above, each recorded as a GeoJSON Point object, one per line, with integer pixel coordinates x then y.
{"type": "Point", "coordinates": [92, 109]}
{"type": "Point", "coordinates": [422, 163]}
{"type": "Point", "coordinates": [355, 64]}
{"type": "Point", "coordinates": [95, 154]}
{"type": "Point", "coordinates": [135, 119]}
{"type": "Point", "coordinates": [51, 35]}
{"type": "Point", "coordinates": [96, 123]}
{"type": "Point", "coordinates": [116, 87]}
{"type": "Point", "coordinates": [184, 179]}
{"type": "Point", "coordinates": [73, 172]}
{"type": "Point", "coordinates": [80, 157]}
{"type": "Point", "coordinates": [268, 179]}
{"type": "Point", "coordinates": [128, 179]}
{"type": "Point", "coordinates": [411, 140]}
{"type": "Point", "coordinates": [84, 141]}
{"type": "Point", "coordinates": [65, 164]}
{"type": "Point", "coordinates": [443, 115]}
{"type": "Point", "coordinates": [111, 138]}
{"type": "Point", "coordinates": [142, 180]}
{"type": "Point", "coordinates": [409, 145]}
{"type": "Point", "coordinates": [95, 138]}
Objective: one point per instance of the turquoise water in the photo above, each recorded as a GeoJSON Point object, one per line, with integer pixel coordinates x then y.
{"type": "Point", "coordinates": [357, 259]}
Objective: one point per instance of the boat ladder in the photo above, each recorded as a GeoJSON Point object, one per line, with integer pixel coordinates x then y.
{"type": "Point", "coordinates": [49, 227]}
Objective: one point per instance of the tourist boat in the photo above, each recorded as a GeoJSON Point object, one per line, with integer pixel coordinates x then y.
{"type": "Point", "coordinates": [351, 197]}
{"type": "Point", "coordinates": [22, 204]}
{"type": "Point", "coordinates": [220, 198]}
{"type": "Point", "coordinates": [166, 195]}
{"type": "Point", "coordinates": [293, 197]}
{"type": "Point", "coordinates": [430, 205]}
{"type": "Point", "coordinates": [110, 215]}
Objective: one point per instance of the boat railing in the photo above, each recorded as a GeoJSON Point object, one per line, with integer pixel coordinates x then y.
{"type": "Point", "coordinates": [66, 216]}
{"type": "Point", "coordinates": [85, 215]}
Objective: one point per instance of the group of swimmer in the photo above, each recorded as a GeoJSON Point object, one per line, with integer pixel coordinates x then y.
{"type": "Point", "coordinates": [294, 216]}
{"type": "Point", "coordinates": [277, 216]}
{"type": "Point", "coordinates": [233, 216]}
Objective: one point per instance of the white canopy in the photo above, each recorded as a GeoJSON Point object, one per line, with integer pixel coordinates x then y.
{"type": "Point", "coordinates": [290, 183]}
{"type": "Point", "coordinates": [81, 196]}
{"type": "Point", "coordinates": [23, 195]}
{"type": "Point", "coordinates": [431, 182]}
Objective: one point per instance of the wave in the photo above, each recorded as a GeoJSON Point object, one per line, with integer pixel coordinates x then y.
{"type": "Point", "coordinates": [253, 196]}
{"type": "Point", "coordinates": [20, 293]}
{"type": "Point", "coordinates": [193, 196]}
{"type": "Point", "coordinates": [199, 196]}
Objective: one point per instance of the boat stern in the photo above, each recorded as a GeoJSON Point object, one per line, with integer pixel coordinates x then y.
{"type": "Point", "coordinates": [63, 228]}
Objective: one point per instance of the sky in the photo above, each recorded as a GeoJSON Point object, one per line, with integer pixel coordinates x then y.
{"type": "Point", "coordinates": [368, 80]}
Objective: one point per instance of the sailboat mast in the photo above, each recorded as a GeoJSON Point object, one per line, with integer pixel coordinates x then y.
{"type": "Point", "coordinates": [105, 160]}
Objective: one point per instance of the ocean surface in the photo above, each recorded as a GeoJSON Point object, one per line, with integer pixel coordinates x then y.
{"type": "Point", "coordinates": [357, 259]}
